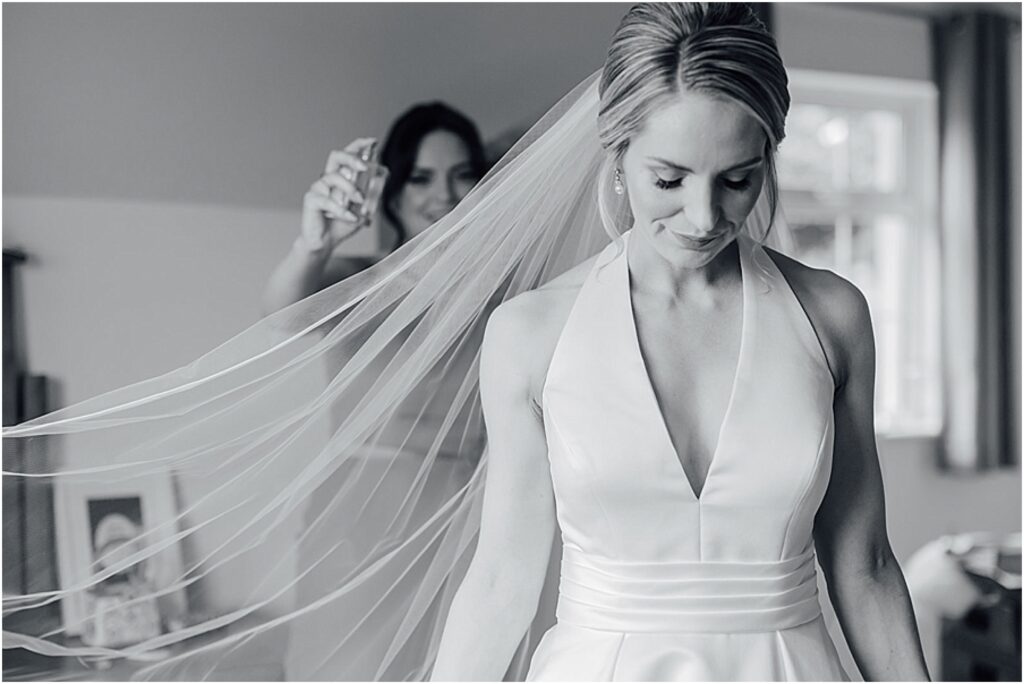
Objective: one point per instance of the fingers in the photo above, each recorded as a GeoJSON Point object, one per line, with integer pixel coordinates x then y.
{"type": "Point", "coordinates": [333, 195]}
{"type": "Point", "coordinates": [360, 147]}
{"type": "Point", "coordinates": [341, 231]}
{"type": "Point", "coordinates": [331, 206]}
{"type": "Point", "coordinates": [330, 183]}
{"type": "Point", "coordinates": [359, 144]}
{"type": "Point", "coordinates": [348, 157]}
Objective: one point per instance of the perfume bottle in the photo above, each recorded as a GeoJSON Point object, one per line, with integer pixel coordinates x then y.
{"type": "Point", "coordinates": [371, 183]}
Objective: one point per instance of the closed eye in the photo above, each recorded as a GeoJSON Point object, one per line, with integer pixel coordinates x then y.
{"type": "Point", "coordinates": [667, 184]}
{"type": "Point", "coordinates": [737, 184]}
{"type": "Point", "coordinates": [466, 175]}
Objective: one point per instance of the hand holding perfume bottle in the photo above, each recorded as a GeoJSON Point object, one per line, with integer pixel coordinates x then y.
{"type": "Point", "coordinates": [345, 198]}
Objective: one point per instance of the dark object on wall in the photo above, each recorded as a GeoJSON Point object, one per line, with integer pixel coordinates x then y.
{"type": "Point", "coordinates": [29, 552]}
{"type": "Point", "coordinates": [14, 576]}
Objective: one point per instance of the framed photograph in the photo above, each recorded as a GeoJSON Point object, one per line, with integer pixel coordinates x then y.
{"type": "Point", "coordinates": [100, 522]}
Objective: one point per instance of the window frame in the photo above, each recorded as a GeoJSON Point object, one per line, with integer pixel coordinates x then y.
{"type": "Point", "coordinates": [916, 102]}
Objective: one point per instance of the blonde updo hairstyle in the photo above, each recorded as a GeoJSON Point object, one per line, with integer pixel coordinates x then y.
{"type": "Point", "coordinates": [661, 49]}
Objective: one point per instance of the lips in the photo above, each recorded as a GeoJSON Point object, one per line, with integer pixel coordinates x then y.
{"type": "Point", "coordinates": [692, 242]}
{"type": "Point", "coordinates": [435, 216]}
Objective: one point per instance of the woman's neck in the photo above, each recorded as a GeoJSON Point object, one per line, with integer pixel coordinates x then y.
{"type": "Point", "coordinates": [654, 274]}
{"type": "Point", "coordinates": [390, 236]}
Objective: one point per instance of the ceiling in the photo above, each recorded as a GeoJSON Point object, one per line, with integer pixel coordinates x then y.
{"type": "Point", "coordinates": [938, 9]}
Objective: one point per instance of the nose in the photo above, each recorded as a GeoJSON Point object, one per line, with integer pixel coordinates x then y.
{"type": "Point", "coordinates": [702, 210]}
{"type": "Point", "coordinates": [445, 191]}
{"type": "Point", "coordinates": [452, 195]}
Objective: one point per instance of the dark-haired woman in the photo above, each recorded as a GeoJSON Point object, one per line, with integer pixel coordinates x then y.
{"type": "Point", "coordinates": [434, 156]}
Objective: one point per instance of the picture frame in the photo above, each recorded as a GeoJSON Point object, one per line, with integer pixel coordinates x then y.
{"type": "Point", "coordinates": [88, 512]}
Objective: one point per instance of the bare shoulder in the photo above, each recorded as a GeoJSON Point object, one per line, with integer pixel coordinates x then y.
{"type": "Point", "coordinates": [836, 307]}
{"type": "Point", "coordinates": [523, 331]}
{"type": "Point", "coordinates": [339, 268]}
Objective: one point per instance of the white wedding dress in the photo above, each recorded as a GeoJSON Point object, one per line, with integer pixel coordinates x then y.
{"type": "Point", "coordinates": [658, 583]}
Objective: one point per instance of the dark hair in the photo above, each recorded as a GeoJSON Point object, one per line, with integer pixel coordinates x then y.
{"type": "Point", "coordinates": [402, 145]}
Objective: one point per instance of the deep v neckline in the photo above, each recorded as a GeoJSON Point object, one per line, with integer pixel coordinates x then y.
{"type": "Point", "coordinates": [650, 393]}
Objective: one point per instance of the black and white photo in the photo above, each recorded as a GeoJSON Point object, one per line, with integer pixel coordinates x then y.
{"type": "Point", "coordinates": [512, 341]}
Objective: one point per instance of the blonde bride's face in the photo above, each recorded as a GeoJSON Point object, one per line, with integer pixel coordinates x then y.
{"type": "Point", "coordinates": [692, 176]}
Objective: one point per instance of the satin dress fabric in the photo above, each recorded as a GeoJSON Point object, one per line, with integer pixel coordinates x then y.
{"type": "Point", "coordinates": [657, 582]}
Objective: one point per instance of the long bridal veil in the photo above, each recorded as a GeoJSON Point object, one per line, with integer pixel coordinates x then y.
{"type": "Point", "coordinates": [325, 465]}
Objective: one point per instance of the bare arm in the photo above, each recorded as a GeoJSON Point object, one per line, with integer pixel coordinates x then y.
{"type": "Point", "coordinates": [865, 583]}
{"type": "Point", "coordinates": [499, 595]}
{"type": "Point", "coordinates": [326, 222]}
{"type": "Point", "coordinates": [303, 272]}
{"type": "Point", "coordinates": [296, 277]}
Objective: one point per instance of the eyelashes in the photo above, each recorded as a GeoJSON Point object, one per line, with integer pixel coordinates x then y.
{"type": "Point", "coordinates": [738, 186]}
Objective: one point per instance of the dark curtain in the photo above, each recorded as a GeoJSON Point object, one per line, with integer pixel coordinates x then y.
{"type": "Point", "coordinates": [977, 226]}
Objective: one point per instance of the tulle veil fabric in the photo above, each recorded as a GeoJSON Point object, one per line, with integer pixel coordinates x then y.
{"type": "Point", "coordinates": [328, 462]}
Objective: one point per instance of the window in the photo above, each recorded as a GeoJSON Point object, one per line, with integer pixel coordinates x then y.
{"type": "Point", "coordinates": [858, 172]}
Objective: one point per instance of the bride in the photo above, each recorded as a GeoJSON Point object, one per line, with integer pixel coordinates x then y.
{"type": "Point", "coordinates": [689, 408]}
{"type": "Point", "coordinates": [698, 434]}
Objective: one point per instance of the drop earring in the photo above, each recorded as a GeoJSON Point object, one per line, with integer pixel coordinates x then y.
{"type": "Point", "coordinates": [618, 186]}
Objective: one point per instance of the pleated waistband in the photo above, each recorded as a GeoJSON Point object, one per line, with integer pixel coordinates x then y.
{"type": "Point", "coordinates": [687, 596]}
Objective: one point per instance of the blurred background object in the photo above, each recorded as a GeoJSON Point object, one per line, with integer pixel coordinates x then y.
{"type": "Point", "coordinates": [966, 590]}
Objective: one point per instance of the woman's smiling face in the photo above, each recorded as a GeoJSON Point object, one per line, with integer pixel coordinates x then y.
{"type": "Point", "coordinates": [693, 175]}
{"type": "Point", "coordinates": [441, 177]}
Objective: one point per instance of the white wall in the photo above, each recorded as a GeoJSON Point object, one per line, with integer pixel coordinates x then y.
{"type": "Point", "coordinates": [116, 291]}
{"type": "Point", "coordinates": [239, 104]}
{"type": "Point", "coordinates": [854, 40]}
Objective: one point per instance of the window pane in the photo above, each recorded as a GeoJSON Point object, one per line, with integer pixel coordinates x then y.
{"type": "Point", "coordinates": [836, 149]}
{"type": "Point", "coordinates": [858, 183]}
{"type": "Point", "coordinates": [879, 254]}
{"type": "Point", "coordinates": [815, 244]}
